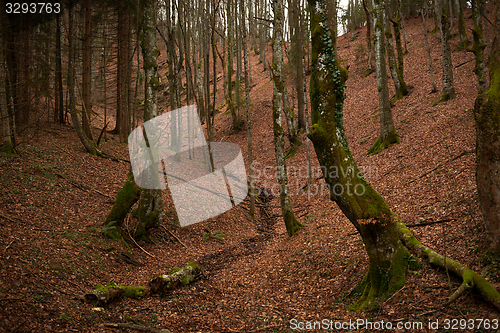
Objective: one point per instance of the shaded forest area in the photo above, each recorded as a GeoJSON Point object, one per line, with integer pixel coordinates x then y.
{"type": "Point", "coordinates": [401, 113]}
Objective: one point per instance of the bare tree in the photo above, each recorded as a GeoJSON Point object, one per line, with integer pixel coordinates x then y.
{"type": "Point", "coordinates": [292, 224]}
{"type": "Point", "coordinates": [388, 135]}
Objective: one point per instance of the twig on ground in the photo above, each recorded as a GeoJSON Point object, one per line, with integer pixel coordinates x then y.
{"type": "Point", "coordinates": [429, 223]}
{"type": "Point", "coordinates": [7, 217]}
{"type": "Point", "coordinates": [171, 233]}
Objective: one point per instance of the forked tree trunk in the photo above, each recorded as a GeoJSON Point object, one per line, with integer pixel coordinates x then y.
{"type": "Point", "coordinates": [388, 135]}
{"type": "Point", "coordinates": [292, 224]}
{"type": "Point", "coordinates": [487, 116]}
{"type": "Point", "coordinates": [365, 208]}
{"type": "Point", "coordinates": [442, 10]}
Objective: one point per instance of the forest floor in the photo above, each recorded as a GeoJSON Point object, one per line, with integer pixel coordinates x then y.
{"type": "Point", "coordinates": [54, 199]}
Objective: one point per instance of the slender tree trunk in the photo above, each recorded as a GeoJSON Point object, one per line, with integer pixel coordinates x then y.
{"type": "Point", "coordinates": [87, 69]}
{"type": "Point", "coordinates": [479, 46]}
{"type": "Point", "coordinates": [252, 193]}
{"type": "Point", "coordinates": [369, 65]}
{"type": "Point", "coordinates": [391, 57]}
{"type": "Point", "coordinates": [59, 102]}
{"type": "Point", "coordinates": [464, 41]}
{"type": "Point", "coordinates": [388, 135]}
{"type": "Point", "coordinates": [87, 143]}
{"type": "Point", "coordinates": [292, 224]}
{"type": "Point", "coordinates": [363, 206]}
{"type": "Point", "coordinates": [150, 202]}
{"type": "Point", "coordinates": [297, 55]}
{"type": "Point", "coordinates": [399, 48]}
{"type": "Point", "coordinates": [7, 135]}
{"type": "Point", "coordinates": [431, 70]}
{"type": "Point", "coordinates": [448, 91]}
{"type": "Point", "coordinates": [487, 117]}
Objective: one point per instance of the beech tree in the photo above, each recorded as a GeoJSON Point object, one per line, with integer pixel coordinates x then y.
{"type": "Point", "coordinates": [150, 202]}
{"type": "Point", "coordinates": [479, 45]}
{"type": "Point", "coordinates": [487, 118]}
{"type": "Point", "coordinates": [291, 222]}
{"type": "Point", "coordinates": [384, 235]}
{"type": "Point", "coordinates": [388, 135]}
{"type": "Point", "coordinates": [425, 12]}
{"type": "Point", "coordinates": [442, 14]}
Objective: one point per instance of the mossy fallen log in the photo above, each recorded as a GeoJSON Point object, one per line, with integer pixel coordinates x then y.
{"type": "Point", "coordinates": [469, 277]}
{"type": "Point", "coordinates": [102, 295]}
{"type": "Point", "coordinates": [178, 277]}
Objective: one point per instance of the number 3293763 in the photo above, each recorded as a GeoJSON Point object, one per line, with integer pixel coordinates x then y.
{"type": "Point", "coordinates": [32, 8]}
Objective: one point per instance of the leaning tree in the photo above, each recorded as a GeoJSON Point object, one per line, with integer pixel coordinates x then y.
{"type": "Point", "coordinates": [386, 239]}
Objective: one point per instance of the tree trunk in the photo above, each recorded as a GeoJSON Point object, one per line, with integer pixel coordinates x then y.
{"type": "Point", "coordinates": [391, 57]}
{"type": "Point", "coordinates": [431, 70]}
{"type": "Point", "coordinates": [464, 41]}
{"type": "Point", "coordinates": [399, 48]}
{"type": "Point", "coordinates": [448, 91]}
{"type": "Point", "coordinates": [59, 114]}
{"type": "Point", "coordinates": [487, 117]}
{"type": "Point", "coordinates": [365, 208]}
{"type": "Point", "coordinates": [87, 69]}
{"type": "Point", "coordinates": [369, 65]}
{"type": "Point", "coordinates": [87, 143]}
{"type": "Point", "coordinates": [297, 41]}
{"type": "Point", "coordinates": [292, 224]}
{"type": "Point", "coordinates": [388, 135]}
{"type": "Point", "coordinates": [479, 46]}
{"type": "Point", "coordinates": [249, 115]}
{"type": "Point", "coordinates": [150, 202]}
{"type": "Point", "coordinates": [7, 140]}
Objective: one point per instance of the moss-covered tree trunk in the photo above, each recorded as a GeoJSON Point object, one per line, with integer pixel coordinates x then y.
{"type": "Point", "coordinates": [365, 208]}
{"type": "Point", "coordinates": [292, 224]}
{"type": "Point", "coordinates": [125, 199]}
{"type": "Point", "coordinates": [442, 13]}
{"type": "Point", "coordinates": [388, 135]}
{"type": "Point", "coordinates": [479, 46]}
{"type": "Point", "coordinates": [150, 203]}
{"type": "Point", "coordinates": [487, 115]}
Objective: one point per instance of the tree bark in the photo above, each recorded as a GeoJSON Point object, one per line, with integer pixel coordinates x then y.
{"type": "Point", "coordinates": [59, 109]}
{"type": "Point", "coordinates": [87, 69]}
{"type": "Point", "coordinates": [292, 224]}
{"type": "Point", "coordinates": [391, 57]}
{"type": "Point", "coordinates": [365, 208]}
{"type": "Point", "coordinates": [388, 135]}
{"type": "Point", "coordinates": [431, 70]}
{"type": "Point", "coordinates": [464, 41]}
{"type": "Point", "coordinates": [479, 46]}
{"type": "Point", "coordinates": [442, 11]}
{"type": "Point", "coordinates": [487, 117]}
{"type": "Point", "coordinates": [369, 65]}
{"type": "Point", "coordinates": [150, 203]}
{"type": "Point", "coordinates": [179, 277]}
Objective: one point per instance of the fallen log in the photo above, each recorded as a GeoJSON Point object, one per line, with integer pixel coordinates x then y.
{"type": "Point", "coordinates": [179, 276]}
{"type": "Point", "coordinates": [102, 295]}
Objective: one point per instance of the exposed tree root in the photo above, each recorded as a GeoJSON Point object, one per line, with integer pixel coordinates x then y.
{"type": "Point", "coordinates": [469, 277]}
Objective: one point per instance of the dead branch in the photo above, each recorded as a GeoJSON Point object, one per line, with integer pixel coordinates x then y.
{"type": "Point", "coordinates": [175, 237]}
{"type": "Point", "coordinates": [428, 223]}
{"type": "Point", "coordinates": [469, 277]}
{"type": "Point", "coordinates": [135, 327]}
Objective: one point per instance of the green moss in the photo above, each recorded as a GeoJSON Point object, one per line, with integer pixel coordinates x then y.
{"type": "Point", "coordinates": [125, 199]}
{"type": "Point", "coordinates": [135, 292]}
{"type": "Point", "coordinates": [8, 149]}
{"type": "Point", "coordinates": [381, 144]}
{"type": "Point", "coordinates": [155, 81]}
